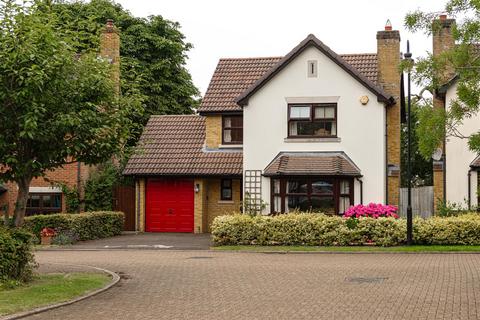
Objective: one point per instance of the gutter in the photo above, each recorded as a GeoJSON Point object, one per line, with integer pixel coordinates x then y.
{"type": "Point", "coordinates": [361, 189]}
{"type": "Point", "coordinates": [469, 175]}
{"type": "Point", "coordinates": [386, 156]}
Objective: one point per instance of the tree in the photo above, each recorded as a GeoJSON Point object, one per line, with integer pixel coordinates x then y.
{"type": "Point", "coordinates": [57, 107]}
{"type": "Point", "coordinates": [462, 60]}
{"type": "Point", "coordinates": [153, 54]}
{"type": "Point", "coordinates": [422, 170]}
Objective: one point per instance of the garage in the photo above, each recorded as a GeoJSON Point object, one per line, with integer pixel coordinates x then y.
{"type": "Point", "coordinates": [169, 205]}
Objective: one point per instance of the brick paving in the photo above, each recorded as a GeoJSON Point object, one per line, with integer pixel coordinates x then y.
{"type": "Point", "coordinates": [224, 285]}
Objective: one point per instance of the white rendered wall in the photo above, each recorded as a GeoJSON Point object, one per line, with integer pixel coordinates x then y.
{"type": "Point", "coordinates": [361, 129]}
{"type": "Point", "coordinates": [458, 159]}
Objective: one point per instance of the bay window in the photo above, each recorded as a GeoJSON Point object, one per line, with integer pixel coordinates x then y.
{"type": "Point", "coordinates": [44, 203]}
{"type": "Point", "coordinates": [329, 195]}
{"type": "Point", "coordinates": [312, 120]}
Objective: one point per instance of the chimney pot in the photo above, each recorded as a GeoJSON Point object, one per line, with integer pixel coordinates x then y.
{"type": "Point", "coordinates": [388, 25]}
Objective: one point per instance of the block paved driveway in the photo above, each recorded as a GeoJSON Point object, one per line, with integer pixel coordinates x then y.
{"type": "Point", "coordinates": [224, 285]}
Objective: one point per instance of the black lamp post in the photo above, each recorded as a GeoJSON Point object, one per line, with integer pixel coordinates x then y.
{"type": "Point", "coordinates": [408, 57]}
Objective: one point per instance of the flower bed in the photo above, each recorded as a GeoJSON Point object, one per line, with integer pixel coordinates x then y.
{"type": "Point", "coordinates": [321, 230]}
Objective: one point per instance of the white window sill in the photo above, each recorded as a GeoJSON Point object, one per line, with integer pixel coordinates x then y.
{"type": "Point", "coordinates": [226, 202]}
{"type": "Point", "coordinates": [303, 140]}
{"type": "Point", "coordinates": [230, 146]}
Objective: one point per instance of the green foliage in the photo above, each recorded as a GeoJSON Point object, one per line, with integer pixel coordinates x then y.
{"type": "Point", "coordinates": [430, 130]}
{"type": "Point", "coordinates": [451, 209]}
{"type": "Point", "coordinates": [461, 230]}
{"type": "Point", "coordinates": [56, 105]}
{"type": "Point", "coordinates": [422, 173]}
{"type": "Point", "coordinates": [321, 230]}
{"type": "Point", "coordinates": [85, 226]}
{"type": "Point", "coordinates": [64, 237]}
{"type": "Point", "coordinates": [432, 72]}
{"type": "Point", "coordinates": [72, 198]}
{"type": "Point", "coordinates": [153, 53]}
{"type": "Point", "coordinates": [305, 229]}
{"type": "Point", "coordinates": [252, 207]}
{"type": "Point", "coordinates": [99, 187]}
{"type": "Point", "coordinates": [16, 257]}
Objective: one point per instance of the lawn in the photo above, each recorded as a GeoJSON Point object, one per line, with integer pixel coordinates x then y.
{"type": "Point", "coordinates": [432, 248]}
{"type": "Point", "coordinates": [49, 289]}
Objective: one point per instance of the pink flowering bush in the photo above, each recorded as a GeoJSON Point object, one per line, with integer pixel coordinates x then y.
{"type": "Point", "coordinates": [372, 210]}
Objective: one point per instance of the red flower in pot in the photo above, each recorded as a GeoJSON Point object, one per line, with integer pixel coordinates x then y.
{"type": "Point", "coordinates": [47, 234]}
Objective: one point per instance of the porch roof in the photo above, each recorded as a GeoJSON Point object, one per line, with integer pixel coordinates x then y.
{"type": "Point", "coordinates": [312, 163]}
{"type": "Point", "coordinates": [475, 163]}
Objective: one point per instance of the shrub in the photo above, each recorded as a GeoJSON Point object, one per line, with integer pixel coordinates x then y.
{"type": "Point", "coordinates": [16, 257]}
{"type": "Point", "coordinates": [321, 230]}
{"type": "Point", "coordinates": [461, 230]}
{"type": "Point", "coordinates": [84, 226]}
{"type": "Point", "coordinates": [372, 210]}
{"type": "Point", "coordinates": [305, 229]}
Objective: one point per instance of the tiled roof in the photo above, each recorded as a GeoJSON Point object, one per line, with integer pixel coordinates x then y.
{"type": "Point", "coordinates": [476, 163]}
{"type": "Point", "coordinates": [232, 77]}
{"type": "Point", "coordinates": [174, 145]}
{"type": "Point", "coordinates": [307, 163]}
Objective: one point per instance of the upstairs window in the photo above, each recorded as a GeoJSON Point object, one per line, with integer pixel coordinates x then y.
{"type": "Point", "coordinates": [312, 120]}
{"type": "Point", "coordinates": [232, 129]}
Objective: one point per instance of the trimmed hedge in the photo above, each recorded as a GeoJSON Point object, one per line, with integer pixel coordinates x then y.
{"type": "Point", "coordinates": [86, 226]}
{"type": "Point", "coordinates": [322, 230]}
{"type": "Point", "coordinates": [16, 257]}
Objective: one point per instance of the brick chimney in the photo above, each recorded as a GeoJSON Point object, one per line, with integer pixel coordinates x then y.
{"type": "Point", "coordinates": [389, 76]}
{"type": "Point", "coordinates": [442, 41]}
{"type": "Point", "coordinates": [110, 49]}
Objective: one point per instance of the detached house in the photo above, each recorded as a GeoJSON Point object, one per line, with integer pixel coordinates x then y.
{"type": "Point", "coordinates": [312, 130]}
{"type": "Point", "coordinates": [456, 171]}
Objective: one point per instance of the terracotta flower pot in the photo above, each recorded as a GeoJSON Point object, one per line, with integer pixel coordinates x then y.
{"type": "Point", "coordinates": [46, 241]}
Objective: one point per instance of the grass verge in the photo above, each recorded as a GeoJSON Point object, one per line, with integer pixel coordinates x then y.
{"type": "Point", "coordinates": [49, 289]}
{"type": "Point", "coordinates": [432, 248]}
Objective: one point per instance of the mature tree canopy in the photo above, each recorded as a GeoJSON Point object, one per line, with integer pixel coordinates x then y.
{"type": "Point", "coordinates": [463, 61]}
{"type": "Point", "coordinates": [153, 53]}
{"type": "Point", "coordinates": [56, 106]}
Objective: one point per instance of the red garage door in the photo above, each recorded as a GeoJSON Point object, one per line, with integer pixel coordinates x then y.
{"type": "Point", "coordinates": [169, 205]}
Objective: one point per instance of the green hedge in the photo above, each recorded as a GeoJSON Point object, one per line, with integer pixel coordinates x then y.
{"type": "Point", "coordinates": [16, 257]}
{"type": "Point", "coordinates": [86, 226]}
{"type": "Point", "coordinates": [321, 230]}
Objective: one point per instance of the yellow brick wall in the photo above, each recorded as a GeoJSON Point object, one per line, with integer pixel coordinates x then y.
{"type": "Point", "coordinates": [140, 205]}
{"type": "Point", "coordinates": [200, 207]}
{"type": "Point", "coordinates": [438, 192]}
{"type": "Point", "coordinates": [213, 124]}
{"type": "Point", "coordinates": [217, 207]}
{"type": "Point", "coordinates": [389, 76]}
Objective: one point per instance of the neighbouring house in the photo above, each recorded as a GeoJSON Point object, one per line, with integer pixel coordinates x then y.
{"type": "Point", "coordinates": [456, 174]}
{"type": "Point", "coordinates": [312, 130]}
{"type": "Point", "coordinates": [45, 194]}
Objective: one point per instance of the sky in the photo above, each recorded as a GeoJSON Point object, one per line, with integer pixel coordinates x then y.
{"type": "Point", "coordinates": [258, 28]}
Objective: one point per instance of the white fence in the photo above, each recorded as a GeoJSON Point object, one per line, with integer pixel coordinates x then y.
{"type": "Point", "coordinates": [422, 202]}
